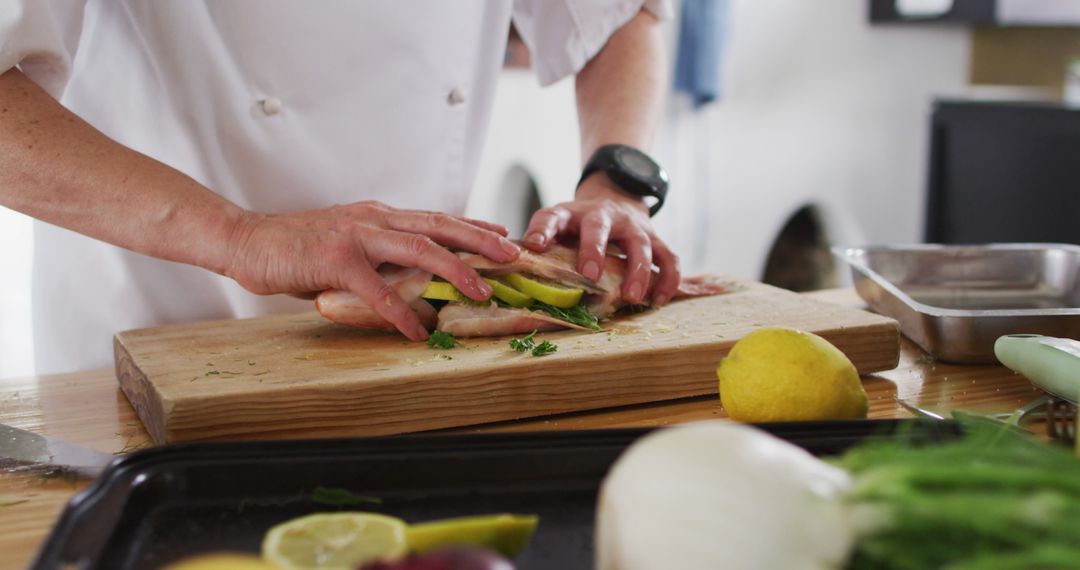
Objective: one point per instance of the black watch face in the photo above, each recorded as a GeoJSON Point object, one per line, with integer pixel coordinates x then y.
{"type": "Point", "coordinates": [636, 163]}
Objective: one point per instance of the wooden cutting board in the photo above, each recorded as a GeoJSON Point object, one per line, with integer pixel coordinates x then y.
{"type": "Point", "coordinates": [294, 376]}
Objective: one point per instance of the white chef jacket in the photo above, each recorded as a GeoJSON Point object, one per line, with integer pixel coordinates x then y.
{"type": "Point", "coordinates": [278, 106]}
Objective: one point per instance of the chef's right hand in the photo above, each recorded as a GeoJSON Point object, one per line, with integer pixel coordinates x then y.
{"type": "Point", "coordinates": [342, 247]}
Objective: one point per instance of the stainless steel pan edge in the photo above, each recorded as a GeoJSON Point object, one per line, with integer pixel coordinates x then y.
{"type": "Point", "coordinates": [955, 335]}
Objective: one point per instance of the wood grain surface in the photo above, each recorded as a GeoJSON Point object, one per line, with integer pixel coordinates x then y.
{"type": "Point", "coordinates": [88, 408]}
{"type": "Point", "coordinates": [301, 376]}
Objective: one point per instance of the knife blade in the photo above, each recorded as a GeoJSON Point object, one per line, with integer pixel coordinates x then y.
{"type": "Point", "coordinates": [21, 447]}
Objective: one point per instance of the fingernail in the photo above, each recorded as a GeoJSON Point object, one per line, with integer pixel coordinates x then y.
{"type": "Point", "coordinates": [535, 238]}
{"type": "Point", "coordinates": [635, 293]}
{"type": "Point", "coordinates": [591, 270]}
{"type": "Point", "coordinates": [660, 300]}
{"type": "Point", "coordinates": [484, 288]}
{"type": "Point", "coordinates": [421, 332]}
{"type": "Point", "coordinates": [510, 248]}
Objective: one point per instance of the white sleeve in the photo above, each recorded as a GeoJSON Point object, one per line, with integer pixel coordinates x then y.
{"type": "Point", "coordinates": [40, 37]}
{"type": "Point", "coordinates": [563, 35]}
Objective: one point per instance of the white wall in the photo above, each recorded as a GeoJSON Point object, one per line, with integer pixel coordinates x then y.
{"type": "Point", "coordinates": [16, 335]}
{"type": "Point", "coordinates": [823, 108]}
{"type": "Point", "coordinates": [533, 128]}
{"type": "Point", "coordinates": [818, 107]}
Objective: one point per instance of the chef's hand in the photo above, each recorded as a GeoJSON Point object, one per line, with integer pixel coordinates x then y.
{"type": "Point", "coordinates": [601, 213]}
{"type": "Point", "coordinates": [343, 246]}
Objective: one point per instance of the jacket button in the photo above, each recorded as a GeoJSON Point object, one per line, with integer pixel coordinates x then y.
{"type": "Point", "coordinates": [270, 106]}
{"type": "Point", "coordinates": [456, 97]}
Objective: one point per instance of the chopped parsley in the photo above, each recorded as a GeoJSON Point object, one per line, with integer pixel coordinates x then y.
{"type": "Point", "coordinates": [543, 348]}
{"type": "Point", "coordinates": [523, 344]}
{"type": "Point", "coordinates": [441, 339]}
{"type": "Point", "coordinates": [528, 344]}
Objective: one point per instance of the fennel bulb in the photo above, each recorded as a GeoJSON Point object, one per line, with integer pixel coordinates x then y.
{"type": "Point", "coordinates": [711, 495]}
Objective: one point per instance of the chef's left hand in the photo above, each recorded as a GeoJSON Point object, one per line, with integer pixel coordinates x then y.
{"type": "Point", "coordinates": [601, 213]}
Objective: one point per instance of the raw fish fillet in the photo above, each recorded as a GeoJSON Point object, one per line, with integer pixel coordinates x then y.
{"type": "Point", "coordinates": [345, 307]}
{"type": "Point", "coordinates": [603, 298]}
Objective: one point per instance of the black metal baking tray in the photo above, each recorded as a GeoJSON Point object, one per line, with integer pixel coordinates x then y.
{"type": "Point", "coordinates": [158, 505]}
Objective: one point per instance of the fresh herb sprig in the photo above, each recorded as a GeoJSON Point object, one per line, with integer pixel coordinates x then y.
{"type": "Point", "coordinates": [443, 340]}
{"type": "Point", "coordinates": [993, 499]}
{"type": "Point", "coordinates": [578, 314]}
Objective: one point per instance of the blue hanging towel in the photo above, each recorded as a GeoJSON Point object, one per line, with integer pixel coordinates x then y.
{"type": "Point", "coordinates": [702, 31]}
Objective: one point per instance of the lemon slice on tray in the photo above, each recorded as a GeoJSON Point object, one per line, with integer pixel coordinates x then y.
{"type": "Point", "coordinates": [221, 561]}
{"type": "Point", "coordinates": [335, 541]}
{"type": "Point", "coordinates": [504, 533]}
{"type": "Point", "coordinates": [553, 294]}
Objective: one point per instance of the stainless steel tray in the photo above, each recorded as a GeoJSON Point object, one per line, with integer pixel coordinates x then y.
{"type": "Point", "coordinates": [955, 301]}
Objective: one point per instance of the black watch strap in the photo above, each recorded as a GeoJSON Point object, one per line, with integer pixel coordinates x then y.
{"type": "Point", "coordinates": [631, 170]}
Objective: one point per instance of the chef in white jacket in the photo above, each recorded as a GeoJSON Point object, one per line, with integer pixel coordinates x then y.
{"type": "Point", "coordinates": [205, 159]}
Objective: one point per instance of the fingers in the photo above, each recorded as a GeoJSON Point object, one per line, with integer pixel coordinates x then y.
{"type": "Point", "coordinates": [546, 223]}
{"type": "Point", "coordinates": [594, 232]}
{"type": "Point", "coordinates": [455, 232]}
{"type": "Point", "coordinates": [415, 250]}
{"type": "Point", "coordinates": [385, 301]}
{"type": "Point", "coordinates": [668, 281]}
{"type": "Point", "coordinates": [491, 227]}
{"type": "Point", "coordinates": [638, 266]}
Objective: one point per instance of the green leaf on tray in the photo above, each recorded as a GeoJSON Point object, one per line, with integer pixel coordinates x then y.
{"type": "Point", "coordinates": [337, 497]}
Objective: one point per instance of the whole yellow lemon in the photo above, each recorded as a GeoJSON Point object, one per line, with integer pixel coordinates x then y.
{"type": "Point", "coordinates": [782, 374]}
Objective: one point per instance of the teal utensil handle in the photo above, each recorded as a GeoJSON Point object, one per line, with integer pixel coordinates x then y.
{"type": "Point", "coordinates": [1050, 363]}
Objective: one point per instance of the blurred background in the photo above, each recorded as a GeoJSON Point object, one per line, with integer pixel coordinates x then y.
{"type": "Point", "coordinates": [797, 126]}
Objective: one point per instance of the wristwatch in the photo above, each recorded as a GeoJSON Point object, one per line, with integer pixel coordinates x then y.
{"type": "Point", "coordinates": [633, 171]}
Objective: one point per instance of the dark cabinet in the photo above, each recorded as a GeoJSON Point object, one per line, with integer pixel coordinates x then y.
{"type": "Point", "coordinates": [962, 11]}
{"type": "Point", "coordinates": [1003, 172]}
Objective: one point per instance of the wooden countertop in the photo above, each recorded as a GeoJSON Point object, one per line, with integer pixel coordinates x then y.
{"type": "Point", "coordinates": [88, 408]}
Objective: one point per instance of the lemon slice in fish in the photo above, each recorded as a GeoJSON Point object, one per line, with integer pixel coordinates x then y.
{"type": "Point", "coordinates": [508, 294]}
{"type": "Point", "coordinates": [335, 541]}
{"type": "Point", "coordinates": [545, 291]}
{"type": "Point", "coordinates": [442, 291]}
